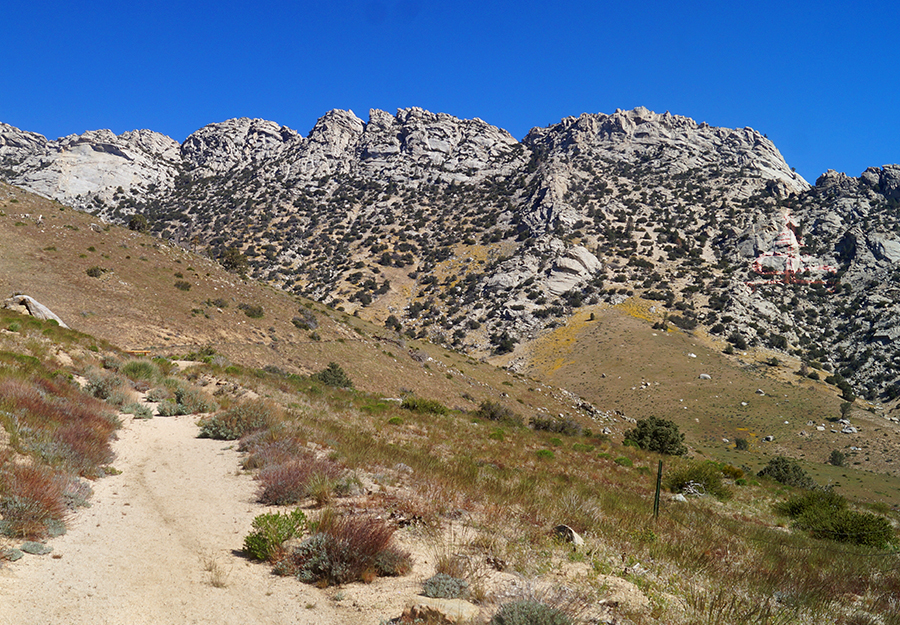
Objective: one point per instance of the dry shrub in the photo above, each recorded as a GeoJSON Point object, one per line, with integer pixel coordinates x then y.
{"type": "Point", "coordinates": [346, 549]}
{"type": "Point", "coordinates": [31, 499]}
{"type": "Point", "coordinates": [295, 480]}
{"type": "Point", "coordinates": [265, 451]}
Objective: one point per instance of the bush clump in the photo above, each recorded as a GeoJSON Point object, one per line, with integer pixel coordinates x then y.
{"type": "Point", "coordinates": [346, 549]}
{"type": "Point", "coordinates": [31, 501]}
{"type": "Point", "coordinates": [530, 612]}
{"type": "Point", "coordinates": [826, 515]}
{"type": "Point", "coordinates": [493, 411]}
{"type": "Point", "coordinates": [239, 420]}
{"type": "Point", "coordinates": [705, 475]}
{"type": "Point", "coordinates": [333, 375]}
{"type": "Point", "coordinates": [565, 425]}
{"type": "Point", "coordinates": [423, 406]}
{"type": "Point", "coordinates": [786, 471]}
{"type": "Point", "coordinates": [443, 586]}
{"type": "Point", "coordinates": [252, 310]}
{"type": "Point", "coordinates": [659, 435]}
{"type": "Point", "coordinates": [271, 531]}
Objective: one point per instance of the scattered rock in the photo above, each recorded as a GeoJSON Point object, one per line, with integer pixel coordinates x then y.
{"type": "Point", "coordinates": [440, 611]}
{"type": "Point", "coordinates": [679, 497]}
{"type": "Point", "coordinates": [759, 391]}
{"type": "Point", "coordinates": [705, 376]}
{"type": "Point", "coordinates": [769, 438]}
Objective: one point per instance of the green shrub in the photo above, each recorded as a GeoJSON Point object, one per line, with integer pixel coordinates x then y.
{"type": "Point", "coordinates": [741, 444]}
{"type": "Point", "coordinates": [444, 586]}
{"type": "Point", "coordinates": [423, 406]}
{"type": "Point", "coordinates": [95, 271]}
{"type": "Point", "coordinates": [395, 421]}
{"type": "Point", "coordinates": [705, 475]}
{"type": "Point", "coordinates": [493, 411]}
{"type": "Point", "coordinates": [530, 612]}
{"type": "Point", "coordinates": [333, 375]}
{"type": "Point", "coordinates": [140, 370]}
{"type": "Point", "coordinates": [787, 472]}
{"type": "Point", "coordinates": [546, 454]}
{"type": "Point", "coordinates": [659, 435]}
{"type": "Point", "coordinates": [270, 532]}
{"type": "Point", "coordinates": [183, 285]}
{"type": "Point", "coordinates": [837, 458]}
{"type": "Point", "coordinates": [826, 515]}
{"type": "Point", "coordinates": [239, 420]}
{"type": "Point", "coordinates": [623, 461]}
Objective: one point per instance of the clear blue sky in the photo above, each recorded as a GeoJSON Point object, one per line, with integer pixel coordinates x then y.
{"type": "Point", "coordinates": [821, 79]}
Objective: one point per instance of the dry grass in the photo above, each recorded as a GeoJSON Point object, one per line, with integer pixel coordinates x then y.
{"type": "Point", "coordinates": [216, 573]}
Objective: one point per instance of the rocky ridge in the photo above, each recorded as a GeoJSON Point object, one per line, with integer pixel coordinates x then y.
{"type": "Point", "coordinates": [452, 229]}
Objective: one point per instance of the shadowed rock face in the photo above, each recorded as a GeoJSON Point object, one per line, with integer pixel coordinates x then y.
{"type": "Point", "coordinates": [464, 233]}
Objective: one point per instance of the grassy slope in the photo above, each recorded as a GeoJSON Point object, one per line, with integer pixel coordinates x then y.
{"type": "Point", "coordinates": [609, 360]}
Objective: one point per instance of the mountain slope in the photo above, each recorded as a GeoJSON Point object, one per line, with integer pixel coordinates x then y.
{"type": "Point", "coordinates": [451, 229]}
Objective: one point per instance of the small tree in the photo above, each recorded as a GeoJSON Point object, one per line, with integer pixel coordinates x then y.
{"type": "Point", "coordinates": [659, 435]}
{"type": "Point", "coordinates": [837, 458]}
{"type": "Point", "coordinates": [233, 260]}
{"type": "Point", "coordinates": [138, 223]}
{"type": "Point", "coordinates": [741, 444]}
{"type": "Point", "coordinates": [333, 375]}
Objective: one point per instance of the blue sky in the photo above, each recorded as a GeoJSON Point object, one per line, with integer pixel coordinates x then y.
{"type": "Point", "coordinates": [821, 79]}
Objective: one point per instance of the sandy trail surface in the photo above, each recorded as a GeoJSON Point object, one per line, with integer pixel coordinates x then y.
{"type": "Point", "coordinates": [142, 553]}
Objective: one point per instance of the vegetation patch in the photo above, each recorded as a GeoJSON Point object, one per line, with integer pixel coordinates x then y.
{"type": "Point", "coordinates": [346, 549]}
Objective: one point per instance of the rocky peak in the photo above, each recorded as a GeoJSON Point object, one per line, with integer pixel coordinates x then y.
{"type": "Point", "coordinates": [17, 145]}
{"type": "Point", "coordinates": [460, 150]}
{"type": "Point", "coordinates": [217, 148]}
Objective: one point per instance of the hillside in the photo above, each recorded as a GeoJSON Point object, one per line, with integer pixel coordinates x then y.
{"type": "Point", "coordinates": [451, 229]}
{"type": "Point", "coordinates": [475, 491]}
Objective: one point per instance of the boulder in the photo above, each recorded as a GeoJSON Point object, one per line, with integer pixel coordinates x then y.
{"type": "Point", "coordinates": [28, 305]}
{"type": "Point", "coordinates": [705, 376]}
{"type": "Point", "coordinates": [569, 535]}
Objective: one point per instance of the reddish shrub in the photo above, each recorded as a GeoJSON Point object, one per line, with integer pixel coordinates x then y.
{"type": "Point", "coordinates": [346, 549]}
{"type": "Point", "coordinates": [290, 482]}
{"type": "Point", "coordinates": [59, 424]}
{"type": "Point", "coordinates": [31, 498]}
